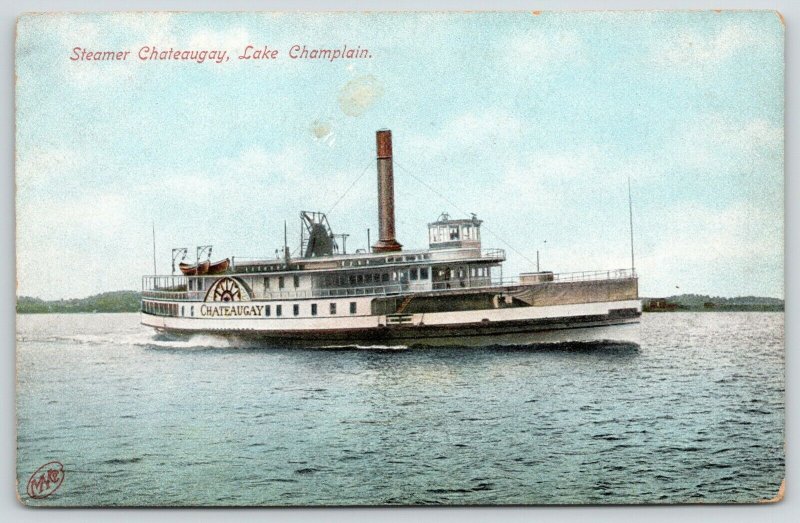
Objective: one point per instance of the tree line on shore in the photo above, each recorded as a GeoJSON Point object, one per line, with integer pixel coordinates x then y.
{"type": "Point", "coordinates": [130, 301]}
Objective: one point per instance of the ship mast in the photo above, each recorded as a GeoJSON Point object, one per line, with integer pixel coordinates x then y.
{"type": "Point", "coordinates": [630, 217]}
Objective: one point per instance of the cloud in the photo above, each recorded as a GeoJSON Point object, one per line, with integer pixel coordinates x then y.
{"type": "Point", "coordinates": [694, 49]}
{"type": "Point", "coordinates": [256, 165]}
{"type": "Point", "coordinates": [537, 51]}
{"type": "Point", "coordinates": [38, 164]}
{"type": "Point", "coordinates": [474, 133]}
{"type": "Point", "coordinates": [742, 242]}
{"type": "Point", "coordinates": [722, 146]}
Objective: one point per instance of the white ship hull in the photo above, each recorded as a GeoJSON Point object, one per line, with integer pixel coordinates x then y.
{"type": "Point", "coordinates": [614, 321]}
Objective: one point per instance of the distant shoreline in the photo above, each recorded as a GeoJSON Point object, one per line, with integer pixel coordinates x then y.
{"type": "Point", "coordinates": [705, 303]}
{"type": "Point", "coordinates": [116, 301]}
{"type": "Point", "coordinates": [130, 301]}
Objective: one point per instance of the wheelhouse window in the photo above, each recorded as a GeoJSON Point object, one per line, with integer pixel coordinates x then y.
{"type": "Point", "coordinates": [352, 307]}
{"type": "Point", "coordinates": [454, 232]}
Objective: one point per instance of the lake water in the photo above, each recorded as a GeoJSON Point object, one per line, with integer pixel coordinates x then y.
{"type": "Point", "coordinates": [695, 414]}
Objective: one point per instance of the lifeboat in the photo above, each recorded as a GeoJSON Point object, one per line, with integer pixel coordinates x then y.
{"type": "Point", "coordinates": [219, 267]}
{"type": "Point", "coordinates": [194, 270]}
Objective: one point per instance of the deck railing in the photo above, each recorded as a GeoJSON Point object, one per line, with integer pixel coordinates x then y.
{"type": "Point", "coordinates": [174, 294]}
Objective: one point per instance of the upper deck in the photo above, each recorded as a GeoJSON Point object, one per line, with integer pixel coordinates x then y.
{"type": "Point", "coordinates": [437, 280]}
{"type": "Point", "coordinates": [242, 265]}
{"type": "Point", "coordinates": [339, 275]}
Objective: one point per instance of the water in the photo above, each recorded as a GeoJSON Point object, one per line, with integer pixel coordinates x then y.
{"type": "Point", "coordinates": [694, 415]}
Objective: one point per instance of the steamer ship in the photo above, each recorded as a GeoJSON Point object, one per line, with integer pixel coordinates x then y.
{"type": "Point", "coordinates": [451, 293]}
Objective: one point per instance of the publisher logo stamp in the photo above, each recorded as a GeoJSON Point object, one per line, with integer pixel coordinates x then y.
{"type": "Point", "coordinates": [46, 480]}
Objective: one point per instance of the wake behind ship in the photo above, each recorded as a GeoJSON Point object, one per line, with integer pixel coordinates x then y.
{"type": "Point", "coordinates": [451, 293]}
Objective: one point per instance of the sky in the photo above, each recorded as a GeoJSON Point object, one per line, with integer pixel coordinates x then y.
{"type": "Point", "coordinates": [533, 121]}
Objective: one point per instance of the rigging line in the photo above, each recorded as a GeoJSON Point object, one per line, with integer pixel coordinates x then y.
{"type": "Point", "coordinates": [440, 195]}
{"type": "Point", "coordinates": [339, 199]}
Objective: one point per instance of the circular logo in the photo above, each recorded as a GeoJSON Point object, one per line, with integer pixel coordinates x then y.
{"type": "Point", "coordinates": [46, 480]}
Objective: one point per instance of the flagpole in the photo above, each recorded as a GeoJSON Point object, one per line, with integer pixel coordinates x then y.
{"type": "Point", "coordinates": [155, 271]}
{"type": "Point", "coordinates": [630, 217]}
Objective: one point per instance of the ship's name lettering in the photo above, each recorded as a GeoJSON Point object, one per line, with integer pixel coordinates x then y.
{"type": "Point", "coordinates": [214, 311]}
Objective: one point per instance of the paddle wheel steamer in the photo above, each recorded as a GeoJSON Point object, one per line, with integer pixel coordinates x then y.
{"type": "Point", "coordinates": [449, 293]}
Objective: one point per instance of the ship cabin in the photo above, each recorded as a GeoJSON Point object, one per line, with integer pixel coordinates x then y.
{"type": "Point", "coordinates": [454, 260]}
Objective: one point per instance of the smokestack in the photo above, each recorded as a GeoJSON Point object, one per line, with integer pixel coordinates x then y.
{"type": "Point", "coordinates": [386, 240]}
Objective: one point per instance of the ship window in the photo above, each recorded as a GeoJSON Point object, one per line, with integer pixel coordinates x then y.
{"type": "Point", "coordinates": [191, 311]}
{"type": "Point", "coordinates": [280, 284]}
{"type": "Point", "coordinates": [278, 310]}
{"type": "Point", "coordinates": [266, 310]}
{"type": "Point", "coordinates": [352, 279]}
{"type": "Point", "coordinates": [266, 283]}
{"type": "Point", "coordinates": [333, 308]}
{"type": "Point", "coordinates": [465, 232]}
{"type": "Point", "coordinates": [360, 278]}
{"type": "Point", "coordinates": [368, 278]}
{"type": "Point", "coordinates": [454, 232]}
{"type": "Point", "coordinates": [385, 277]}
{"type": "Point", "coordinates": [182, 311]}
{"type": "Point", "coordinates": [296, 281]}
{"type": "Point", "coordinates": [191, 285]}
{"type": "Point", "coordinates": [313, 309]}
{"type": "Point", "coordinates": [414, 274]}
{"type": "Point", "coordinates": [295, 309]}
{"type": "Point", "coordinates": [352, 307]}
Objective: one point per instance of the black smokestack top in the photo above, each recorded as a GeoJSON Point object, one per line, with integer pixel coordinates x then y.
{"type": "Point", "coordinates": [386, 240]}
